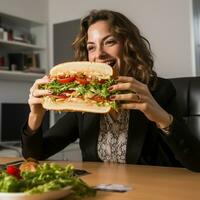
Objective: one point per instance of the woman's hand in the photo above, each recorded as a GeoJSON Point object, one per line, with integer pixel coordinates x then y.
{"type": "Point", "coordinates": [139, 97]}
{"type": "Point", "coordinates": [35, 103]}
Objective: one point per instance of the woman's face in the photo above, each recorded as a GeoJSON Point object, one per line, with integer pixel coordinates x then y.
{"type": "Point", "coordinates": [102, 46]}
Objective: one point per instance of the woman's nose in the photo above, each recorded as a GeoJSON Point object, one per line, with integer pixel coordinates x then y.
{"type": "Point", "coordinates": [100, 53]}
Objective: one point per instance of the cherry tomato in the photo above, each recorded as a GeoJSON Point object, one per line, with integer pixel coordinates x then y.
{"type": "Point", "coordinates": [12, 170]}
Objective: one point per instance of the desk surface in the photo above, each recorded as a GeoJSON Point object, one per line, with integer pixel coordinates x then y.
{"type": "Point", "coordinates": [147, 182]}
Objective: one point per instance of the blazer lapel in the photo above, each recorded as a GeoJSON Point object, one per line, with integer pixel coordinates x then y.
{"type": "Point", "coordinates": [90, 133]}
{"type": "Point", "coordinates": [138, 124]}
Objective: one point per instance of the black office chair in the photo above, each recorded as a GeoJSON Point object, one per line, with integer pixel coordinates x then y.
{"type": "Point", "coordinates": [188, 99]}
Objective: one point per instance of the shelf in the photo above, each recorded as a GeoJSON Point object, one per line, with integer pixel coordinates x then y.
{"type": "Point", "coordinates": [19, 76]}
{"type": "Point", "coordinates": [21, 45]}
{"type": "Point", "coordinates": [36, 34]}
{"type": "Point", "coordinates": [18, 20]}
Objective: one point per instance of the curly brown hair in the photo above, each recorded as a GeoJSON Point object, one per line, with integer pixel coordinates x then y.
{"type": "Point", "coordinates": [137, 54]}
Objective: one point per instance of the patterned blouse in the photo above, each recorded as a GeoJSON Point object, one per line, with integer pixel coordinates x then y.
{"type": "Point", "coordinates": [113, 136]}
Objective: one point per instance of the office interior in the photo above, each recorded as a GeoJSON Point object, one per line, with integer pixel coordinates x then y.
{"type": "Point", "coordinates": [170, 26]}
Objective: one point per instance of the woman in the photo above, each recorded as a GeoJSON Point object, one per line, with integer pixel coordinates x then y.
{"type": "Point", "coordinates": [147, 130]}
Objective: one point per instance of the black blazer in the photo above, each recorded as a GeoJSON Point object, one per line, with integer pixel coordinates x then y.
{"type": "Point", "coordinates": [146, 143]}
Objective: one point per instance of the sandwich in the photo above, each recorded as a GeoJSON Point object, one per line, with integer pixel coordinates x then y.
{"type": "Point", "coordinates": [80, 86]}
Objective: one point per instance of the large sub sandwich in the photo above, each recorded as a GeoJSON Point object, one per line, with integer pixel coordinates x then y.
{"type": "Point", "coordinates": [80, 86]}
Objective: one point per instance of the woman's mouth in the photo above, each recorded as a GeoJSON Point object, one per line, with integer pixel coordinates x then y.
{"type": "Point", "coordinates": [111, 63]}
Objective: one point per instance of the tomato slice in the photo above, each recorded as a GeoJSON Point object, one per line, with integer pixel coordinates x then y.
{"type": "Point", "coordinates": [82, 81]}
{"type": "Point", "coordinates": [66, 80]}
{"type": "Point", "coordinates": [98, 99]}
{"type": "Point", "coordinates": [61, 96]}
{"type": "Point", "coordinates": [102, 81]}
{"type": "Point", "coordinates": [68, 92]}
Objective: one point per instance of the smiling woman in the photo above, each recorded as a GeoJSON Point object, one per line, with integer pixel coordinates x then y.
{"type": "Point", "coordinates": [147, 129]}
{"type": "Point", "coordinates": [114, 39]}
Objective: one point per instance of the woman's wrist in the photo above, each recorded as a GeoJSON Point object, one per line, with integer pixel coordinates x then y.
{"type": "Point", "coordinates": [34, 122]}
{"type": "Point", "coordinates": [165, 127]}
{"type": "Point", "coordinates": [28, 131]}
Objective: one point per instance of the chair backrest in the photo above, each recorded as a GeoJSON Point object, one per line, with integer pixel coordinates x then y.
{"type": "Point", "coordinates": [188, 99]}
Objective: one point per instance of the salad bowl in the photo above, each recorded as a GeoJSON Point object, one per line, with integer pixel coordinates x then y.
{"type": "Point", "coordinates": [51, 195]}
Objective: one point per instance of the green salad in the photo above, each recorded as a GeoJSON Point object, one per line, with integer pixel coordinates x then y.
{"type": "Point", "coordinates": [46, 177]}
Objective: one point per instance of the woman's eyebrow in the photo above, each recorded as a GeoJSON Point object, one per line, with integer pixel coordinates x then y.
{"type": "Point", "coordinates": [104, 38]}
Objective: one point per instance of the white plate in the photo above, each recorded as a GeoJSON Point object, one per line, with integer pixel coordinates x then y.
{"type": "Point", "coordinates": [56, 194]}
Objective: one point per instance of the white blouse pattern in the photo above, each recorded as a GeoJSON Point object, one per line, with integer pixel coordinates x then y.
{"type": "Point", "coordinates": [112, 141]}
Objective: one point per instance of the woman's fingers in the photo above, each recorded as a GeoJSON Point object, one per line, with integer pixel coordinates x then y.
{"type": "Point", "coordinates": [125, 79]}
{"type": "Point", "coordinates": [35, 97]}
{"type": "Point", "coordinates": [136, 94]}
{"type": "Point", "coordinates": [129, 106]}
{"type": "Point", "coordinates": [140, 98]}
{"type": "Point", "coordinates": [43, 80]}
{"type": "Point", "coordinates": [40, 93]}
{"type": "Point", "coordinates": [129, 84]}
{"type": "Point", "coordinates": [122, 86]}
{"type": "Point", "coordinates": [135, 97]}
{"type": "Point", "coordinates": [38, 82]}
{"type": "Point", "coordinates": [35, 91]}
{"type": "Point", "coordinates": [34, 100]}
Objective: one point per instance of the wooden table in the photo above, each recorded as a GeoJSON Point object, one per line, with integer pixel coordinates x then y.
{"type": "Point", "coordinates": [147, 182]}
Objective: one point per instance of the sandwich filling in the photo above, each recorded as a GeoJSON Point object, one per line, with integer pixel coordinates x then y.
{"type": "Point", "coordinates": [92, 88]}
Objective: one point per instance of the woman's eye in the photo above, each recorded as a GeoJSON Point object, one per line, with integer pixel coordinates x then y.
{"type": "Point", "coordinates": [110, 42]}
{"type": "Point", "coordinates": [90, 48]}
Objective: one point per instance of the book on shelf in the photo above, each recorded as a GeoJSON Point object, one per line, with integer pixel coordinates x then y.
{"type": "Point", "coordinates": [16, 61]}
{"type": "Point", "coordinates": [22, 62]}
{"type": "Point", "coordinates": [32, 60]}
